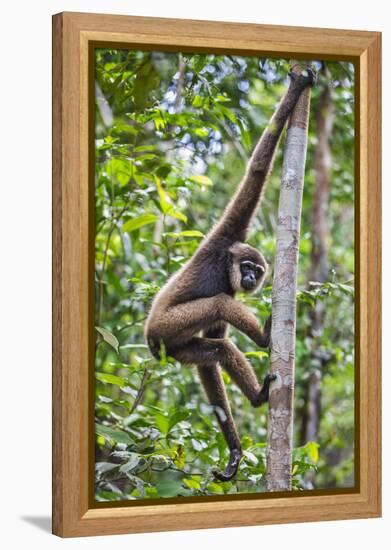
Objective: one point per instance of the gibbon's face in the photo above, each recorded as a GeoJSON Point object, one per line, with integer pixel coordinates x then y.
{"type": "Point", "coordinates": [248, 270]}
{"type": "Point", "coordinates": [251, 275]}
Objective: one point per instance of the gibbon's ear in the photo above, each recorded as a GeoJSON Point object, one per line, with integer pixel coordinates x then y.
{"type": "Point", "coordinates": [235, 277]}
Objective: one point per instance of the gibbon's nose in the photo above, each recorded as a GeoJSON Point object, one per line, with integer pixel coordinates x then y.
{"type": "Point", "coordinates": [249, 281]}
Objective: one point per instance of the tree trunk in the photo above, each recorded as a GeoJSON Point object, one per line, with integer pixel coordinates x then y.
{"type": "Point", "coordinates": [282, 356]}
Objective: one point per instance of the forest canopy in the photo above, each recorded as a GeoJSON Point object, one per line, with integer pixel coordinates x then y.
{"type": "Point", "coordinates": [173, 134]}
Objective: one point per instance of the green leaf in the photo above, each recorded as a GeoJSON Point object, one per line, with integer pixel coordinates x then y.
{"type": "Point", "coordinates": [215, 488]}
{"type": "Point", "coordinates": [199, 62]}
{"type": "Point", "coordinates": [159, 123]}
{"type": "Point", "coordinates": [164, 170]}
{"type": "Point", "coordinates": [170, 489]}
{"type": "Point", "coordinates": [108, 337]}
{"type": "Point", "coordinates": [119, 168]}
{"type": "Point", "coordinates": [167, 208]}
{"type": "Point", "coordinates": [197, 101]}
{"type": "Point", "coordinates": [228, 113]}
{"type": "Point", "coordinates": [162, 422]}
{"type": "Point", "coordinates": [313, 451]}
{"type": "Point", "coordinates": [198, 445]}
{"type": "Point", "coordinates": [347, 289]}
{"type": "Point", "coordinates": [130, 464]}
{"type": "Point", "coordinates": [246, 441]}
{"type": "Point", "coordinates": [161, 459]}
{"type": "Point", "coordinates": [146, 156]}
{"type": "Point", "coordinates": [176, 214]}
{"type": "Point", "coordinates": [113, 434]}
{"type": "Point", "coordinates": [140, 221]}
{"type": "Point", "coordinates": [107, 378]}
{"type": "Point", "coordinates": [163, 198]}
{"type": "Point", "coordinates": [147, 79]}
{"type": "Point", "coordinates": [179, 457]}
{"type": "Point", "coordinates": [191, 483]}
{"type": "Point", "coordinates": [201, 180]}
{"type": "Point", "coordinates": [143, 148]}
{"type": "Point", "coordinates": [257, 354]}
{"type": "Point", "coordinates": [201, 132]}
{"type": "Point", "coordinates": [103, 467]}
{"type": "Point", "coordinates": [251, 458]}
{"type": "Point", "coordinates": [113, 488]}
{"type": "Point", "coordinates": [191, 233]}
{"type": "Point", "coordinates": [178, 416]}
{"type": "Point", "coordinates": [110, 139]}
{"type": "Point", "coordinates": [222, 98]}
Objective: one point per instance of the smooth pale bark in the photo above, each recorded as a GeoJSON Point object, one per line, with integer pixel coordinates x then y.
{"type": "Point", "coordinates": [282, 357]}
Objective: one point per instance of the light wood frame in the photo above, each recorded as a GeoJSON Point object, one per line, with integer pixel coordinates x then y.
{"type": "Point", "coordinates": [72, 34]}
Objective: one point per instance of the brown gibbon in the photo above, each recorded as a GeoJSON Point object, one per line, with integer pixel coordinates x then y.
{"type": "Point", "coordinates": [190, 315]}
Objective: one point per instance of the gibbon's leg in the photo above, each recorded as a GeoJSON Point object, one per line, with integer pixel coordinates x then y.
{"type": "Point", "coordinates": [215, 390]}
{"type": "Point", "coordinates": [204, 352]}
{"type": "Point", "coordinates": [213, 383]}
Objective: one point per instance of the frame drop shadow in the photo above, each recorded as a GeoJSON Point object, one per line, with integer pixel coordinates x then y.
{"type": "Point", "coordinates": [41, 522]}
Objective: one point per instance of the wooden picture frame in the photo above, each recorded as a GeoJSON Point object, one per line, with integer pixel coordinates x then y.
{"type": "Point", "coordinates": [73, 34]}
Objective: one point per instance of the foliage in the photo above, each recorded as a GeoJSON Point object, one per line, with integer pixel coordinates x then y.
{"type": "Point", "coordinates": [173, 135]}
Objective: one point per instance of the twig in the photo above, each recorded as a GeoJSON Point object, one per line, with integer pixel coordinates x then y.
{"type": "Point", "coordinates": [141, 390]}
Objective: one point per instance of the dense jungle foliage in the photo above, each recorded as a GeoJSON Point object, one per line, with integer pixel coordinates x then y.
{"type": "Point", "coordinates": [173, 135]}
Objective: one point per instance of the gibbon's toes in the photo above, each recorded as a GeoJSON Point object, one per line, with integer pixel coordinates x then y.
{"type": "Point", "coordinates": [231, 469]}
{"type": "Point", "coordinates": [311, 76]}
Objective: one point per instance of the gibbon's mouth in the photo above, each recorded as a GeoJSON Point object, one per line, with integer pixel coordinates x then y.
{"type": "Point", "coordinates": [249, 283]}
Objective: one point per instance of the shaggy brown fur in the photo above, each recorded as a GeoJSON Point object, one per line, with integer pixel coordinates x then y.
{"type": "Point", "coordinates": [200, 297]}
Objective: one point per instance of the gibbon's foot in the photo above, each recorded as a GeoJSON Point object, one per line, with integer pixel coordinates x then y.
{"type": "Point", "coordinates": [231, 468]}
{"type": "Point", "coordinates": [263, 396]}
{"type": "Point", "coordinates": [307, 77]}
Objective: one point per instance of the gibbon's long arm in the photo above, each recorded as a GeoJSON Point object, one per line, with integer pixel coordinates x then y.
{"type": "Point", "coordinates": [240, 210]}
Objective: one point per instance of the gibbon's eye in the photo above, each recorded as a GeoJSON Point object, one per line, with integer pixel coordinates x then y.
{"type": "Point", "coordinates": [246, 266]}
{"type": "Point", "coordinates": [259, 270]}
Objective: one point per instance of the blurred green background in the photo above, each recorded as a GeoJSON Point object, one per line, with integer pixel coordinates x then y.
{"type": "Point", "coordinates": [173, 136]}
